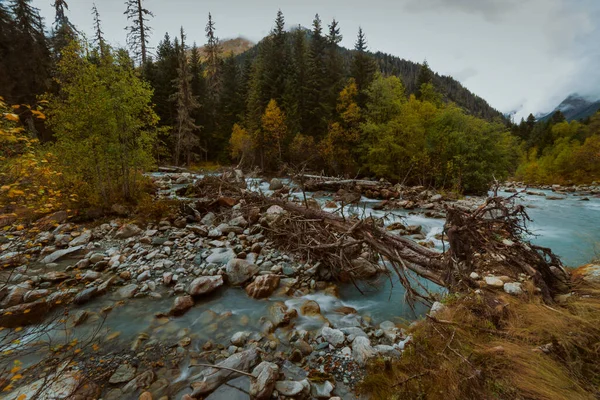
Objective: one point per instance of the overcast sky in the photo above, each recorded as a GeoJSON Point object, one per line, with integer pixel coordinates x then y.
{"type": "Point", "coordinates": [519, 55]}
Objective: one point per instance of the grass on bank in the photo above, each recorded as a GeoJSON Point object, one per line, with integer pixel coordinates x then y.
{"type": "Point", "coordinates": [499, 347]}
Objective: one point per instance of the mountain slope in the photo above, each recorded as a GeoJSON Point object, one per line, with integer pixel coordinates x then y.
{"type": "Point", "coordinates": [575, 107]}
{"type": "Point", "coordinates": [408, 71]}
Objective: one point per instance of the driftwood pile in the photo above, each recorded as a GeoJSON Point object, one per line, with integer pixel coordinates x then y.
{"type": "Point", "coordinates": [487, 238]}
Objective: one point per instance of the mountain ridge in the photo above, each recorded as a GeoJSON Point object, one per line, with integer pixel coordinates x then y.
{"type": "Point", "coordinates": [575, 107]}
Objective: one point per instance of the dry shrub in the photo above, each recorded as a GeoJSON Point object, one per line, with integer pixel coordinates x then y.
{"type": "Point", "coordinates": [153, 210]}
{"type": "Point", "coordinates": [498, 347]}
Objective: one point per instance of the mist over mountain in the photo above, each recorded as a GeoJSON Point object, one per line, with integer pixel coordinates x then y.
{"type": "Point", "coordinates": [576, 107]}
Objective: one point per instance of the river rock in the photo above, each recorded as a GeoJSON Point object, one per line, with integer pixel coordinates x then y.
{"type": "Point", "coordinates": [293, 388]}
{"type": "Point", "coordinates": [280, 315]}
{"type": "Point", "coordinates": [273, 214]}
{"type": "Point", "coordinates": [321, 390]}
{"type": "Point", "coordinates": [204, 285]}
{"type": "Point", "coordinates": [82, 239]}
{"type": "Point", "coordinates": [220, 256]}
{"type": "Point", "coordinates": [62, 386]}
{"type": "Point", "coordinates": [494, 281]}
{"type": "Point", "coordinates": [208, 219]}
{"type": "Point", "coordinates": [127, 292]}
{"type": "Point", "coordinates": [335, 337]}
{"type": "Point", "coordinates": [15, 296]}
{"type": "Point", "coordinates": [362, 350]}
{"type": "Point", "coordinates": [86, 295]}
{"type": "Point", "coordinates": [240, 338]}
{"type": "Point", "coordinates": [263, 286]}
{"type": "Point", "coordinates": [128, 230]}
{"type": "Point", "coordinates": [275, 184]}
{"type": "Point", "coordinates": [437, 308]}
{"type": "Point", "coordinates": [239, 271]}
{"type": "Point", "coordinates": [385, 350]}
{"type": "Point", "coordinates": [58, 254]}
{"type": "Point", "coordinates": [513, 288]}
{"type": "Point", "coordinates": [310, 308]}
{"type": "Point", "coordinates": [181, 305]}
{"type": "Point", "coordinates": [34, 295]}
{"type": "Point", "coordinates": [364, 269]}
{"type": "Point", "coordinates": [90, 276]}
{"type": "Point", "coordinates": [143, 380]}
{"type": "Point", "coordinates": [266, 374]}
{"type": "Point", "coordinates": [211, 378]}
{"type": "Point", "coordinates": [124, 373]}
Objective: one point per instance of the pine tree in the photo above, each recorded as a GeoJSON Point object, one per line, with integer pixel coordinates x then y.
{"type": "Point", "coordinates": [64, 31]}
{"type": "Point", "coordinates": [98, 33]}
{"type": "Point", "coordinates": [31, 57]}
{"type": "Point", "coordinates": [296, 86]}
{"type": "Point", "coordinates": [335, 68]}
{"type": "Point", "coordinates": [363, 68]}
{"type": "Point", "coordinates": [276, 60]}
{"type": "Point", "coordinates": [425, 77]}
{"type": "Point", "coordinates": [138, 32]}
{"type": "Point", "coordinates": [198, 91]}
{"type": "Point", "coordinates": [185, 137]}
{"type": "Point", "coordinates": [213, 69]}
{"type": "Point", "coordinates": [212, 51]}
{"type": "Point", "coordinates": [316, 125]}
{"type": "Point", "coordinates": [167, 63]}
{"type": "Point", "coordinates": [230, 104]}
{"type": "Point", "coordinates": [7, 30]}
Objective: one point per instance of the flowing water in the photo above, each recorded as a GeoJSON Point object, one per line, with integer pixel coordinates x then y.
{"type": "Point", "coordinates": [570, 227]}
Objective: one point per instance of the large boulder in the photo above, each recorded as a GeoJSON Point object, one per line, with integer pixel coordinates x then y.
{"type": "Point", "coordinates": [363, 268]}
{"type": "Point", "coordinates": [82, 239]}
{"type": "Point", "coordinates": [239, 271]}
{"type": "Point", "coordinates": [293, 389]}
{"type": "Point", "coordinates": [263, 286]}
{"type": "Point", "coordinates": [266, 374]}
{"type": "Point", "coordinates": [204, 285]}
{"type": "Point", "coordinates": [211, 378]}
{"type": "Point", "coordinates": [60, 386]}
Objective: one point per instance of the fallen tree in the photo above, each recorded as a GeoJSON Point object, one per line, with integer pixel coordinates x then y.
{"type": "Point", "coordinates": [489, 238]}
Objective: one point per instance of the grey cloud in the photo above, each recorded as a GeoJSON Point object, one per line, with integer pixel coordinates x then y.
{"type": "Point", "coordinates": [492, 10]}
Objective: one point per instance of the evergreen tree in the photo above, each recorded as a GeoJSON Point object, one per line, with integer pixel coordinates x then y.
{"type": "Point", "coordinates": [185, 136]}
{"type": "Point", "coordinates": [30, 59]}
{"type": "Point", "coordinates": [213, 69]}
{"type": "Point", "coordinates": [198, 90]}
{"type": "Point", "coordinates": [316, 123]}
{"type": "Point", "coordinates": [98, 33]}
{"type": "Point", "coordinates": [296, 87]}
{"type": "Point", "coordinates": [363, 68]}
{"type": "Point", "coordinates": [64, 31]}
{"type": "Point", "coordinates": [276, 70]}
{"type": "Point", "coordinates": [230, 104]}
{"type": "Point", "coordinates": [138, 32]}
{"type": "Point", "coordinates": [335, 68]}
{"type": "Point", "coordinates": [213, 61]}
{"type": "Point", "coordinates": [7, 30]}
{"type": "Point", "coordinates": [425, 77]}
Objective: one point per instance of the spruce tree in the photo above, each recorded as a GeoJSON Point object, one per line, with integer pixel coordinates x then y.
{"type": "Point", "coordinates": [98, 33]}
{"type": "Point", "coordinates": [198, 91]}
{"type": "Point", "coordinates": [185, 137]}
{"type": "Point", "coordinates": [363, 68]}
{"type": "Point", "coordinates": [31, 59]}
{"type": "Point", "coordinates": [230, 104]}
{"type": "Point", "coordinates": [138, 32]}
{"type": "Point", "coordinates": [64, 31]}
{"type": "Point", "coordinates": [335, 68]}
{"type": "Point", "coordinates": [7, 30]}
{"type": "Point", "coordinates": [276, 71]}
{"type": "Point", "coordinates": [167, 63]}
{"type": "Point", "coordinates": [316, 125]}
{"type": "Point", "coordinates": [296, 90]}
{"type": "Point", "coordinates": [212, 51]}
{"type": "Point", "coordinates": [425, 77]}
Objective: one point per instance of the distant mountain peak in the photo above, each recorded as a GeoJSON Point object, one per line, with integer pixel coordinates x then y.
{"type": "Point", "coordinates": [576, 107]}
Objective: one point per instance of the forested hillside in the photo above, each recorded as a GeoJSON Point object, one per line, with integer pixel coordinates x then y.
{"type": "Point", "coordinates": [296, 99]}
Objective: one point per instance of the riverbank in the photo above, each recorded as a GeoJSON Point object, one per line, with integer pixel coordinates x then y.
{"type": "Point", "coordinates": [149, 300]}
